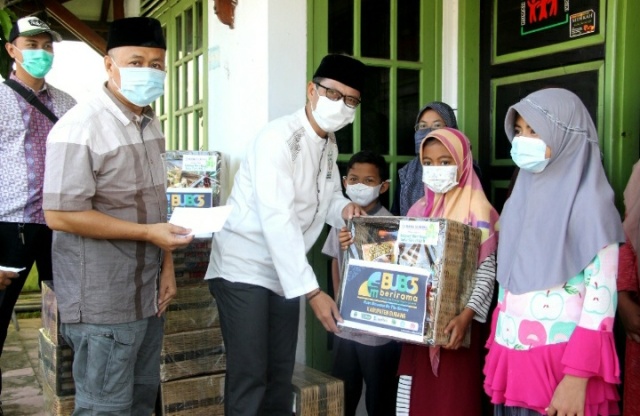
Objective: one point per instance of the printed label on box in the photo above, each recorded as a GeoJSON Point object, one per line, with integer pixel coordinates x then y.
{"type": "Point", "coordinates": [199, 163]}
{"type": "Point", "coordinates": [418, 232]}
{"type": "Point", "coordinates": [189, 197]}
{"type": "Point", "coordinates": [385, 299]}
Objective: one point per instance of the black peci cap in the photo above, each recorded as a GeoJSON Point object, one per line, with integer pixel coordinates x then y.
{"type": "Point", "coordinates": [344, 69]}
{"type": "Point", "coordinates": [136, 31]}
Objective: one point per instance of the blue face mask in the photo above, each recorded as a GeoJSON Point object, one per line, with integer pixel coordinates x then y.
{"type": "Point", "coordinates": [529, 153]}
{"type": "Point", "coordinates": [419, 136]}
{"type": "Point", "coordinates": [141, 86]}
{"type": "Point", "coordinates": [36, 62]}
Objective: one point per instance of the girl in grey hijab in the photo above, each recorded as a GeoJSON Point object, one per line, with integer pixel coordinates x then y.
{"type": "Point", "coordinates": [544, 222]}
{"type": "Point", "coordinates": [551, 349]}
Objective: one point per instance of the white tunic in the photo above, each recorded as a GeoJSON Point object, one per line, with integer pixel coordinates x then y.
{"type": "Point", "coordinates": [287, 187]}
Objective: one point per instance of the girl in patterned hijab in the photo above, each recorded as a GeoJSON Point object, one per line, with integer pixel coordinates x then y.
{"type": "Point", "coordinates": [446, 381]}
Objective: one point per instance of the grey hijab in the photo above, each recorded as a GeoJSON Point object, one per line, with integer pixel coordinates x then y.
{"type": "Point", "coordinates": [556, 221]}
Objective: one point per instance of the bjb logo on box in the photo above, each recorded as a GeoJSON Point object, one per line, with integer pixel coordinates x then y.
{"type": "Point", "coordinates": [189, 197]}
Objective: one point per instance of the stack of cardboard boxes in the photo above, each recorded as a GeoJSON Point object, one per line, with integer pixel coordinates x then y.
{"type": "Point", "coordinates": [193, 360]}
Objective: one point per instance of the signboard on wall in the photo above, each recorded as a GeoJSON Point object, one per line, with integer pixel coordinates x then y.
{"type": "Point", "coordinates": [530, 24]}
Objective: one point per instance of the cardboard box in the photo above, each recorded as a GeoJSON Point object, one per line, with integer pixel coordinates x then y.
{"type": "Point", "coordinates": [193, 396]}
{"type": "Point", "coordinates": [50, 316]}
{"type": "Point", "coordinates": [199, 245]}
{"type": "Point", "coordinates": [316, 393]}
{"type": "Point", "coordinates": [190, 263]}
{"type": "Point", "coordinates": [406, 278]}
{"type": "Point", "coordinates": [55, 405]}
{"type": "Point", "coordinates": [193, 308]}
{"type": "Point", "coordinates": [56, 362]}
{"type": "Point", "coordinates": [184, 278]}
{"type": "Point", "coordinates": [193, 268]}
{"type": "Point", "coordinates": [185, 255]}
{"type": "Point", "coordinates": [193, 353]}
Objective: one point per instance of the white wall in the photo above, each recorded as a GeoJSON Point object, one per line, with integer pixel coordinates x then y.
{"type": "Point", "coordinates": [450, 53]}
{"type": "Point", "coordinates": [257, 72]}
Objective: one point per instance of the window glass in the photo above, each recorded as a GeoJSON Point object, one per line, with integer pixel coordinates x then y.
{"type": "Point", "coordinates": [375, 35]}
{"type": "Point", "coordinates": [409, 30]}
{"type": "Point", "coordinates": [340, 25]}
{"type": "Point", "coordinates": [374, 111]}
{"type": "Point", "coordinates": [408, 107]}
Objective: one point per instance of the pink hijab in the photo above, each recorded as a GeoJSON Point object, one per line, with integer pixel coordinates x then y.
{"type": "Point", "coordinates": [466, 203]}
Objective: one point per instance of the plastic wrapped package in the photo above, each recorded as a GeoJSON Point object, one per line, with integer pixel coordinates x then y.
{"type": "Point", "coordinates": [406, 278]}
{"type": "Point", "coordinates": [194, 178]}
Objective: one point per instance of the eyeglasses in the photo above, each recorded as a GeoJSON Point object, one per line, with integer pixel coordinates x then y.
{"type": "Point", "coordinates": [435, 125]}
{"type": "Point", "coordinates": [335, 95]}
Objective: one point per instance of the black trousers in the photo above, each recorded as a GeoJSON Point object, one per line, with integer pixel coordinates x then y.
{"type": "Point", "coordinates": [20, 246]}
{"type": "Point", "coordinates": [260, 332]}
{"type": "Point", "coordinates": [377, 366]}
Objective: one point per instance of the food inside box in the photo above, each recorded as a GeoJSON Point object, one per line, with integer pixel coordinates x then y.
{"type": "Point", "coordinates": [406, 278]}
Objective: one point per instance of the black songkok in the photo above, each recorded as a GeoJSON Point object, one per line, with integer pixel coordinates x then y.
{"type": "Point", "coordinates": [344, 69]}
{"type": "Point", "coordinates": [136, 31]}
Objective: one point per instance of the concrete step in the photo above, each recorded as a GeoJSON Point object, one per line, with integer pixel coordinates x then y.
{"type": "Point", "coordinates": [28, 302]}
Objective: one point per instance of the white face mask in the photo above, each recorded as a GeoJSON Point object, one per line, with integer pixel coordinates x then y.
{"type": "Point", "coordinates": [362, 194]}
{"type": "Point", "coordinates": [529, 153]}
{"type": "Point", "coordinates": [440, 179]}
{"type": "Point", "coordinates": [331, 116]}
{"type": "Point", "coordinates": [140, 86]}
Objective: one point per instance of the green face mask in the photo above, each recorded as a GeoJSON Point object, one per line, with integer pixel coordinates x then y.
{"type": "Point", "coordinates": [37, 62]}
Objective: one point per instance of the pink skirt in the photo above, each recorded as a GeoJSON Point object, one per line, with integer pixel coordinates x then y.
{"type": "Point", "coordinates": [529, 378]}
